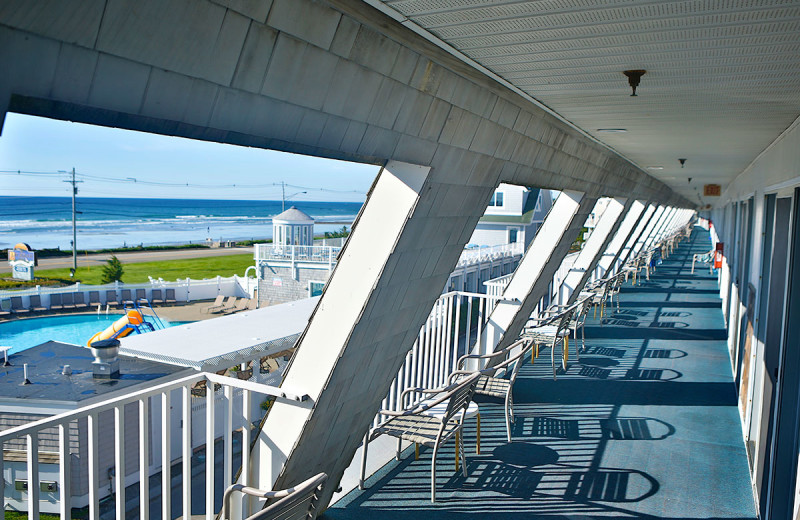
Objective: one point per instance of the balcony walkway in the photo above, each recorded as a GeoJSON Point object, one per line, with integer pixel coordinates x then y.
{"type": "Point", "coordinates": [644, 426]}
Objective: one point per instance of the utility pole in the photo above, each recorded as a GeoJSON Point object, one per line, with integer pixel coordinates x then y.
{"type": "Point", "coordinates": [283, 196]}
{"type": "Point", "coordinates": [74, 224]}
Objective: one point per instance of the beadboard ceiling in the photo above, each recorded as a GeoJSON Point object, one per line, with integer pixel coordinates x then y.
{"type": "Point", "coordinates": [722, 81]}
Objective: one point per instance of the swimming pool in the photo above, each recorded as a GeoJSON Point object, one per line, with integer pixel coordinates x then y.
{"type": "Point", "coordinates": [75, 329]}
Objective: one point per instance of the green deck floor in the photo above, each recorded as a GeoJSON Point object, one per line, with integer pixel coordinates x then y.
{"type": "Point", "coordinates": [645, 425]}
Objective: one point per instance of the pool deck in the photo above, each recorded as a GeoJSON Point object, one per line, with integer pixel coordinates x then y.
{"type": "Point", "coordinates": [645, 425]}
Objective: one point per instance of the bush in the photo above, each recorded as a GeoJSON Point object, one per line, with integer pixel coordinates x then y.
{"type": "Point", "coordinates": [112, 271]}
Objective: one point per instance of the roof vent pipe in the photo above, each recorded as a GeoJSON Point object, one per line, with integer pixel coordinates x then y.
{"type": "Point", "coordinates": [106, 360]}
{"type": "Point", "coordinates": [25, 381]}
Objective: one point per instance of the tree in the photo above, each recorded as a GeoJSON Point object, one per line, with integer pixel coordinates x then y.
{"type": "Point", "coordinates": [339, 233]}
{"type": "Point", "coordinates": [112, 271]}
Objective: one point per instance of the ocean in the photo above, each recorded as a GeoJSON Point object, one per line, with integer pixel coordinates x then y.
{"type": "Point", "coordinates": [46, 222]}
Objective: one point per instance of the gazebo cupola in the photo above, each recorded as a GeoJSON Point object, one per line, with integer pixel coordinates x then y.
{"type": "Point", "coordinates": [292, 227]}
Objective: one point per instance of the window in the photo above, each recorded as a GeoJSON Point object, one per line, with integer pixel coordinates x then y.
{"type": "Point", "coordinates": [315, 288]}
{"type": "Point", "coordinates": [512, 235]}
{"type": "Point", "coordinates": [497, 199]}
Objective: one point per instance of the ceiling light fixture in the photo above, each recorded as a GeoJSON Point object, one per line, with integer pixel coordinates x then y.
{"type": "Point", "coordinates": [612, 130]}
{"type": "Point", "coordinates": [682, 161]}
{"type": "Point", "coordinates": [634, 76]}
{"type": "Point", "coordinates": [655, 167]}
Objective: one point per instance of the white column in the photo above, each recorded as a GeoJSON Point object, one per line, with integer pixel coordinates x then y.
{"type": "Point", "coordinates": [633, 240]}
{"type": "Point", "coordinates": [536, 270]}
{"type": "Point", "coordinates": [621, 237]}
{"type": "Point", "coordinates": [590, 254]}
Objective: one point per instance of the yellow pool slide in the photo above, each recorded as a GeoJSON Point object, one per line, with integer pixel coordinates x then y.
{"type": "Point", "coordinates": [120, 328]}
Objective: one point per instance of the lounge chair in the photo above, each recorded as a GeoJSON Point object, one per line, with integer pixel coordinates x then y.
{"type": "Point", "coordinates": [79, 302]}
{"type": "Point", "coordinates": [170, 298]}
{"type": "Point", "coordinates": [141, 296]}
{"type": "Point", "coordinates": [127, 298]}
{"type": "Point", "coordinates": [498, 374]}
{"type": "Point", "coordinates": [156, 297]}
{"type": "Point", "coordinates": [295, 503]}
{"type": "Point", "coordinates": [111, 298]}
{"type": "Point", "coordinates": [94, 299]}
{"type": "Point", "coordinates": [216, 304]}
{"type": "Point", "coordinates": [229, 304]}
{"type": "Point", "coordinates": [36, 303]}
{"type": "Point", "coordinates": [5, 307]}
{"type": "Point", "coordinates": [55, 302]}
{"type": "Point", "coordinates": [240, 305]}
{"type": "Point", "coordinates": [68, 301]}
{"type": "Point", "coordinates": [416, 425]}
{"type": "Point", "coordinates": [17, 307]}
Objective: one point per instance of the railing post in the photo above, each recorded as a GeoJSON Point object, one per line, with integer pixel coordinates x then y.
{"type": "Point", "coordinates": [186, 434]}
{"type": "Point", "coordinates": [119, 459]}
{"type": "Point", "coordinates": [33, 475]}
{"type": "Point", "coordinates": [92, 440]}
{"type": "Point", "coordinates": [166, 456]}
{"type": "Point", "coordinates": [210, 403]}
{"type": "Point", "coordinates": [144, 459]}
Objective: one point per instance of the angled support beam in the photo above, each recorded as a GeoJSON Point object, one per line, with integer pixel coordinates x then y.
{"type": "Point", "coordinates": [592, 250]}
{"type": "Point", "coordinates": [535, 272]}
{"type": "Point", "coordinates": [655, 233]}
{"type": "Point", "coordinates": [638, 232]}
{"type": "Point", "coordinates": [644, 239]}
{"type": "Point", "coordinates": [666, 225]}
{"type": "Point", "coordinates": [621, 237]}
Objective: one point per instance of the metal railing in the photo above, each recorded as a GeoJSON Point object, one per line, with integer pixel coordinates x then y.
{"type": "Point", "coordinates": [296, 253]}
{"type": "Point", "coordinates": [486, 254]}
{"type": "Point", "coordinates": [166, 402]}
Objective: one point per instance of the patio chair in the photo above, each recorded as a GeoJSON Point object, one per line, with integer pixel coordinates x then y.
{"type": "Point", "coordinates": [707, 258]}
{"type": "Point", "coordinates": [17, 307]}
{"type": "Point", "coordinates": [78, 301]}
{"type": "Point", "coordinates": [5, 307]}
{"type": "Point", "coordinates": [498, 374]}
{"type": "Point", "coordinates": [229, 304]}
{"type": "Point", "coordinates": [68, 301]}
{"type": "Point", "coordinates": [156, 296]}
{"type": "Point", "coordinates": [141, 296]}
{"type": "Point", "coordinates": [55, 302]}
{"type": "Point", "coordinates": [111, 298]}
{"type": "Point", "coordinates": [295, 503]}
{"type": "Point", "coordinates": [36, 303]}
{"type": "Point", "coordinates": [413, 424]}
{"type": "Point", "coordinates": [127, 298]}
{"type": "Point", "coordinates": [240, 305]}
{"type": "Point", "coordinates": [170, 296]}
{"type": "Point", "coordinates": [94, 299]}
{"type": "Point", "coordinates": [216, 304]}
{"type": "Point", "coordinates": [551, 331]}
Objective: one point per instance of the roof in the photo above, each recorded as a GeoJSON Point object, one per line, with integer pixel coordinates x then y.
{"type": "Point", "coordinates": [45, 364]}
{"type": "Point", "coordinates": [227, 340]}
{"type": "Point", "coordinates": [526, 218]}
{"type": "Point", "coordinates": [293, 215]}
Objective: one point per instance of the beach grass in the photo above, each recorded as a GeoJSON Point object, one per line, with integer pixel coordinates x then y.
{"type": "Point", "coordinates": [169, 270]}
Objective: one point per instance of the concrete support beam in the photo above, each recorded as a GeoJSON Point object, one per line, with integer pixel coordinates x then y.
{"type": "Point", "coordinates": [630, 245]}
{"type": "Point", "coordinates": [644, 239]}
{"type": "Point", "coordinates": [661, 229]}
{"type": "Point", "coordinates": [592, 250]}
{"type": "Point", "coordinates": [621, 237]}
{"type": "Point", "coordinates": [535, 272]}
{"type": "Point", "coordinates": [394, 266]}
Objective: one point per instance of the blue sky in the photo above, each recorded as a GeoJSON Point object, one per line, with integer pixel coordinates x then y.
{"type": "Point", "coordinates": [108, 159]}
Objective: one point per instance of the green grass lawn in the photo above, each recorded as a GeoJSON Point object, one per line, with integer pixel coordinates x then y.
{"type": "Point", "coordinates": [169, 270]}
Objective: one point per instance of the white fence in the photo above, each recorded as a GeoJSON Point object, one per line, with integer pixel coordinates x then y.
{"type": "Point", "coordinates": [487, 254]}
{"type": "Point", "coordinates": [186, 290]}
{"type": "Point", "coordinates": [159, 409]}
{"type": "Point", "coordinates": [295, 253]}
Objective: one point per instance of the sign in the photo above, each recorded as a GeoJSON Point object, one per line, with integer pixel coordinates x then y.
{"type": "Point", "coordinates": [277, 282]}
{"type": "Point", "coordinates": [22, 270]}
{"type": "Point", "coordinates": [712, 190]}
{"type": "Point", "coordinates": [22, 260]}
{"type": "Point", "coordinates": [718, 255]}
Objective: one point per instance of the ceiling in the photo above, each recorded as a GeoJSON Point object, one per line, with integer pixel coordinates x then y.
{"type": "Point", "coordinates": [722, 81]}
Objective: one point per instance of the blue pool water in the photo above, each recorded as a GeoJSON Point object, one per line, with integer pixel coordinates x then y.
{"type": "Point", "coordinates": [76, 329]}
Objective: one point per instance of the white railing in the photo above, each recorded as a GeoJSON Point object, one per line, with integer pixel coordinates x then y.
{"type": "Point", "coordinates": [169, 406]}
{"type": "Point", "coordinates": [185, 290]}
{"type": "Point", "coordinates": [453, 326]}
{"type": "Point", "coordinates": [486, 254]}
{"type": "Point", "coordinates": [295, 253]}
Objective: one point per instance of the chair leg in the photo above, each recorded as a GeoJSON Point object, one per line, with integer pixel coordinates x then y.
{"type": "Point", "coordinates": [478, 436]}
{"type": "Point", "coordinates": [433, 471]}
{"type": "Point", "coordinates": [399, 448]}
{"type": "Point", "coordinates": [553, 356]}
{"type": "Point", "coordinates": [509, 418]}
{"type": "Point", "coordinates": [363, 462]}
{"type": "Point", "coordinates": [463, 457]}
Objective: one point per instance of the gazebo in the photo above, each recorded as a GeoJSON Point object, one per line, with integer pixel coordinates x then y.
{"type": "Point", "coordinates": [292, 227]}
